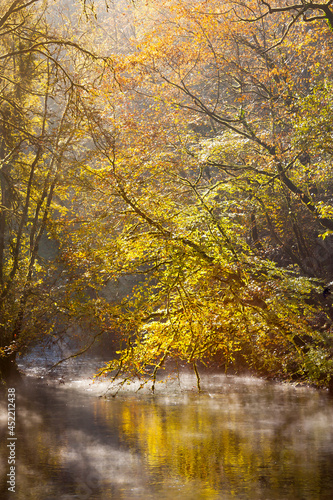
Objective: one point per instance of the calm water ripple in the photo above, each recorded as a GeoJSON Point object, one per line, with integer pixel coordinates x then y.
{"type": "Point", "coordinates": [242, 438]}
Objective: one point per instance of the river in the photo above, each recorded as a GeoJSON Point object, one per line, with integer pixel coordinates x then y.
{"type": "Point", "coordinates": [241, 438]}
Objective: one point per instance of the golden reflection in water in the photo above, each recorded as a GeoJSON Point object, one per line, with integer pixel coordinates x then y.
{"type": "Point", "coordinates": [245, 443]}
{"type": "Point", "coordinates": [226, 443]}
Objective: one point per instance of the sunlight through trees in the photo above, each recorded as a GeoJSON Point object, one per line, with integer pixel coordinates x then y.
{"type": "Point", "coordinates": [186, 147]}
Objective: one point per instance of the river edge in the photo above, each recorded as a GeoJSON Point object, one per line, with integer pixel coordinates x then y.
{"type": "Point", "coordinates": [81, 375]}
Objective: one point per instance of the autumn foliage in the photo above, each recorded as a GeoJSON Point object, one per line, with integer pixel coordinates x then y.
{"type": "Point", "coordinates": [199, 165]}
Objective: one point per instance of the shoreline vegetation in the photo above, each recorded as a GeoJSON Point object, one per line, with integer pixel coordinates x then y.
{"type": "Point", "coordinates": [166, 187]}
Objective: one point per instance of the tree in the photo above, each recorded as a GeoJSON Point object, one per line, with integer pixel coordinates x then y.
{"type": "Point", "coordinates": [254, 95]}
{"type": "Point", "coordinates": [40, 140]}
{"type": "Point", "coordinates": [205, 192]}
{"type": "Point", "coordinates": [196, 166]}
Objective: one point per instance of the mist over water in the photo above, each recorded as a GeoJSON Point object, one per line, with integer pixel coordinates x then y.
{"type": "Point", "coordinates": [240, 438]}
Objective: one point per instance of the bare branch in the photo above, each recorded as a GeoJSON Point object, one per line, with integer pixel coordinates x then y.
{"type": "Point", "coordinates": [297, 10]}
{"type": "Point", "coordinates": [16, 6]}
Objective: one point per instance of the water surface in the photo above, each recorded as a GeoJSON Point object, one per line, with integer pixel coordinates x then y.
{"type": "Point", "coordinates": [242, 438]}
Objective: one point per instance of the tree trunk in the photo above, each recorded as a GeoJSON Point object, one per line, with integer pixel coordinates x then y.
{"type": "Point", "coordinates": [9, 371]}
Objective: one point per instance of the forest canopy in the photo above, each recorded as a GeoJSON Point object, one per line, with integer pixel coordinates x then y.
{"type": "Point", "coordinates": [184, 147]}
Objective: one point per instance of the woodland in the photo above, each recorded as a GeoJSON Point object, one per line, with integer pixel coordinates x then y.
{"type": "Point", "coordinates": [187, 146]}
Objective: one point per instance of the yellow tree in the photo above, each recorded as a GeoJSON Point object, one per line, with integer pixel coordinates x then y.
{"type": "Point", "coordinates": [41, 75]}
{"type": "Point", "coordinates": [200, 173]}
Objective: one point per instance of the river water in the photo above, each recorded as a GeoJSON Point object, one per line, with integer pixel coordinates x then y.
{"type": "Point", "coordinates": [241, 438]}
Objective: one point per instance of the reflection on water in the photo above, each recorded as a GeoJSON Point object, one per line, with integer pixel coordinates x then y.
{"type": "Point", "coordinates": [239, 439]}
